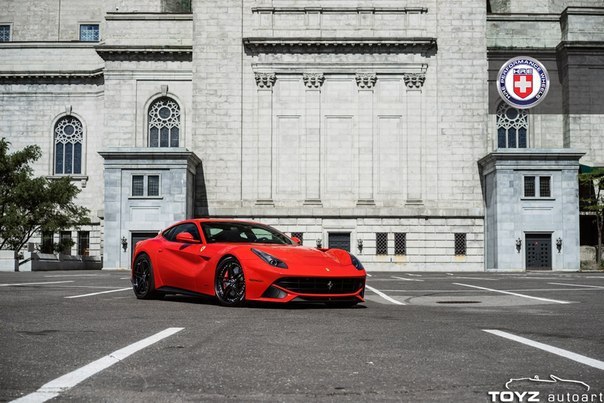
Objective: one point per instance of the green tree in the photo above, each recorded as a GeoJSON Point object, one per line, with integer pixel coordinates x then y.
{"type": "Point", "coordinates": [29, 204]}
{"type": "Point", "coordinates": [592, 201]}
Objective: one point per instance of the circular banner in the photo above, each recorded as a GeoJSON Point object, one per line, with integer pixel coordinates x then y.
{"type": "Point", "coordinates": [523, 82]}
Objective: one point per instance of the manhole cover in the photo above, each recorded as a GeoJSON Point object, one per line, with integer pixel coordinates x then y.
{"type": "Point", "coordinates": [458, 302]}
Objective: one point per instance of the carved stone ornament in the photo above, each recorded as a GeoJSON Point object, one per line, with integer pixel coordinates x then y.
{"type": "Point", "coordinates": [414, 81]}
{"type": "Point", "coordinates": [313, 80]}
{"type": "Point", "coordinates": [366, 81]}
{"type": "Point", "coordinates": [265, 80]}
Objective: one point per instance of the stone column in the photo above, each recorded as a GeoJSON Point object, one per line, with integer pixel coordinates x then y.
{"type": "Point", "coordinates": [313, 83]}
{"type": "Point", "coordinates": [365, 83]}
{"type": "Point", "coordinates": [414, 132]}
{"type": "Point", "coordinates": [265, 82]}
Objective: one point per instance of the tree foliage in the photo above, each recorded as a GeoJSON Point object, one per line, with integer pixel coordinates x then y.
{"type": "Point", "coordinates": [29, 204]}
{"type": "Point", "coordinates": [592, 201]}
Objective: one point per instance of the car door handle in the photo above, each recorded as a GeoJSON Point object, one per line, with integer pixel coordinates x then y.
{"type": "Point", "coordinates": [160, 250]}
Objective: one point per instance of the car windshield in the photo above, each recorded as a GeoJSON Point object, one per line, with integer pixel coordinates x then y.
{"type": "Point", "coordinates": [234, 232]}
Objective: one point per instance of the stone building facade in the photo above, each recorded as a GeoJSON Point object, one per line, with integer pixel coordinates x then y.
{"type": "Point", "coordinates": [372, 125]}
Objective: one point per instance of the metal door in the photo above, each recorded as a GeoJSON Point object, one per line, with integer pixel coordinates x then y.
{"type": "Point", "coordinates": [339, 240]}
{"type": "Point", "coordinates": [538, 251]}
{"type": "Point", "coordinates": [140, 236]}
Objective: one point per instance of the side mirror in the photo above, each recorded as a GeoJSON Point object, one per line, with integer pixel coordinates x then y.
{"type": "Point", "coordinates": [185, 237]}
{"type": "Point", "coordinates": [296, 240]}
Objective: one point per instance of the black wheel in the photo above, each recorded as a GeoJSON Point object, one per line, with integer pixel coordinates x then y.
{"type": "Point", "coordinates": [229, 284]}
{"type": "Point", "coordinates": [142, 282]}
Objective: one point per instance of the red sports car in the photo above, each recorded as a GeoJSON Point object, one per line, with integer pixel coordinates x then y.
{"type": "Point", "coordinates": [239, 261]}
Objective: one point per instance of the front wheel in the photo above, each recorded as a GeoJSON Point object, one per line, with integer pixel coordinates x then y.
{"type": "Point", "coordinates": [229, 284]}
{"type": "Point", "coordinates": [142, 281]}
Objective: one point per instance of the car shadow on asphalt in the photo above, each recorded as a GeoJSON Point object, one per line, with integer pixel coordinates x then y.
{"type": "Point", "coordinates": [202, 300]}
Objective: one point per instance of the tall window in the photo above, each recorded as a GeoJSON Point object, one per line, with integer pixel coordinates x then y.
{"type": "Point", "coordinates": [164, 123]}
{"type": "Point", "coordinates": [381, 243]}
{"type": "Point", "coordinates": [512, 127]}
{"type": "Point", "coordinates": [69, 135]}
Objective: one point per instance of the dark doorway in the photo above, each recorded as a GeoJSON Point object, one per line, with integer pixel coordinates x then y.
{"type": "Point", "coordinates": [140, 236]}
{"type": "Point", "coordinates": [340, 240]}
{"type": "Point", "coordinates": [538, 251]}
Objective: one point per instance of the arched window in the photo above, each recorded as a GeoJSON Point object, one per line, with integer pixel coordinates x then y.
{"type": "Point", "coordinates": [69, 135]}
{"type": "Point", "coordinates": [164, 123]}
{"type": "Point", "coordinates": [512, 127]}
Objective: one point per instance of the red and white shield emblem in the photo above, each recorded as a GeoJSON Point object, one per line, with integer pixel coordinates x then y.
{"type": "Point", "coordinates": [523, 82]}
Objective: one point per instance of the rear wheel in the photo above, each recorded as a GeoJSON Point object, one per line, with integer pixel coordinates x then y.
{"type": "Point", "coordinates": [229, 284]}
{"type": "Point", "coordinates": [142, 283]}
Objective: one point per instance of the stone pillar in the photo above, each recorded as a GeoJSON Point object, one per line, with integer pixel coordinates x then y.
{"type": "Point", "coordinates": [313, 83]}
{"type": "Point", "coordinates": [264, 83]}
{"type": "Point", "coordinates": [365, 83]}
{"type": "Point", "coordinates": [414, 133]}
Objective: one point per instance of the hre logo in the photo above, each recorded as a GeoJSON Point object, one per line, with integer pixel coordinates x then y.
{"type": "Point", "coordinates": [523, 82]}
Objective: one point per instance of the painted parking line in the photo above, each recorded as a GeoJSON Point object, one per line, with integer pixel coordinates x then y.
{"type": "Point", "coordinates": [386, 297]}
{"type": "Point", "coordinates": [98, 293]}
{"type": "Point", "coordinates": [414, 275]}
{"type": "Point", "coordinates": [579, 285]}
{"type": "Point", "coordinates": [39, 283]}
{"type": "Point", "coordinates": [78, 275]}
{"type": "Point", "coordinates": [550, 349]}
{"type": "Point", "coordinates": [514, 293]}
{"type": "Point", "coordinates": [406, 279]}
{"type": "Point", "coordinates": [55, 387]}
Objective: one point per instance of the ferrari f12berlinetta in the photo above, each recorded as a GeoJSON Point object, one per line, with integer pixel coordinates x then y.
{"type": "Point", "coordinates": [239, 261]}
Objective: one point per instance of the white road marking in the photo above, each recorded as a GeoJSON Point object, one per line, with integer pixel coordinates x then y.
{"type": "Point", "coordinates": [387, 298]}
{"type": "Point", "coordinates": [516, 294]}
{"type": "Point", "coordinates": [578, 285]}
{"type": "Point", "coordinates": [479, 278]}
{"type": "Point", "coordinates": [414, 275]}
{"type": "Point", "coordinates": [449, 274]}
{"type": "Point", "coordinates": [124, 278]}
{"type": "Point", "coordinates": [406, 279]}
{"type": "Point", "coordinates": [77, 275]}
{"type": "Point", "coordinates": [40, 283]}
{"type": "Point", "coordinates": [368, 275]}
{"type": "Point", "coordinates": [55, 387]}
{"type": "Point", "coordinates": [98, 293]}
{"type": "Point", "coordinates": [550, 349]}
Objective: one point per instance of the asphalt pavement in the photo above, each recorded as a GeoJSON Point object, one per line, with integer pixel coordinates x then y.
{"type": "Point", "coordinates": [420, 337]}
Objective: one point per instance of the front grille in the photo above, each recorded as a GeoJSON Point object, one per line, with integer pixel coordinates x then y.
{"type": "Point", "coordinates": [321, 285]}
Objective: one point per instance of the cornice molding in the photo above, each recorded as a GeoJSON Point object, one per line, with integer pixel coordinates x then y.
{"type": "Point", "coordinates": [145, 53]}
{"type": "Point", "coordinates": [424, 46]}
{"type": "Point", "coordinates": [375, 10]}
{"type": "Point", "coordinates": [62, 76]}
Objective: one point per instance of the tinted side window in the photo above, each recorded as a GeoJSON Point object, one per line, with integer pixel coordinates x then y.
{"type": "Point", "coordinates": [186, 227]}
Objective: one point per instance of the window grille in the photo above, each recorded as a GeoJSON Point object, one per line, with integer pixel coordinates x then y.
{"type": "Point", "coordinates": [89, 32]}
{"type": "Point", "coordinates": [460, 244]}
{"type": "Point", "coordinates": [48, 242]}
{"type": "Point", "coordinates": [400, 243]}
{"type": "Point", "coordinates": [529, 186]}
{"type": "Point", "coordinates": [83, 243]}
{"type": "Point", "coordinates": [164, 123]}
{"type": "Point", "coordinates": [153, 185]}
{"type": "Point", "coordinates": [544, 186]}
{"type": "Point", "coordinates": [298, 235]}
{"type": "Point", "coordinates": [512, 127]}
{"type": "Point", "coordinates": [138, 185]}
{"type": "Point", "coordinates": [69, 135]}
{"type": "Point", "coordinates": [65, 240]}
{"type": "Point", "coordinates": [381, 243]}
{"type": "Point", "coordinates": [4, 33]}
{"type": "Point", "coordinates": [339, 240]}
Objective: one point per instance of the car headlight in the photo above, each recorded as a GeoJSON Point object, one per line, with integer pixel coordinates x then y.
{"type": "Point", "coordinates": [356, 262]}
{"type": "Point", "coordinates": [270, 259]}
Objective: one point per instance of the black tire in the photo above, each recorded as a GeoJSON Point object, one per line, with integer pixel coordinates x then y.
{"type": "Point", "coordinates": [143, 284]}
{"type": "Point", "coordinates": [229, 283]}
